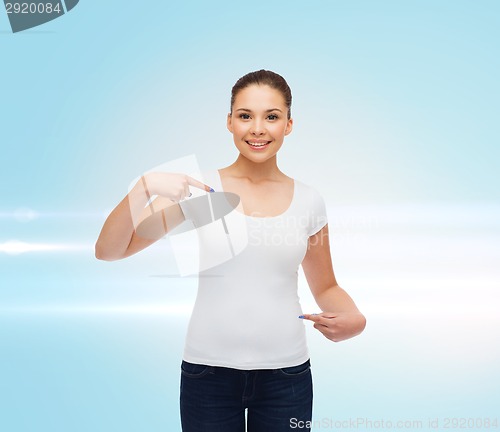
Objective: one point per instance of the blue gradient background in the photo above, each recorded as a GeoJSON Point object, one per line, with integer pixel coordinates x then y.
{"type": "Point", "coordinates": [394, 108]}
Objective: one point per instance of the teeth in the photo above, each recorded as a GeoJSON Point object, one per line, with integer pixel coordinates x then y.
{"type": "Point", "coordinates": [257, 145]}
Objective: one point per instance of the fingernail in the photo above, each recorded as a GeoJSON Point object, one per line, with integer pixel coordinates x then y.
{"type": "Point", "coordinates": [301, 316]}
{"type": "Point", "coordinates": [211, 190]}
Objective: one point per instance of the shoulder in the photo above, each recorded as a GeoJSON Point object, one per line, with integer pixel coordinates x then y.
{"type": "Point", "coordinates": [308, 190]}
{"type": "Point", "coordinates": [311, 202]}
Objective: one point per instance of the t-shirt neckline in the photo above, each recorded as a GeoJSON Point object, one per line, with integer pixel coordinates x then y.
{"type": "Point", "coordinates": [265, 217]}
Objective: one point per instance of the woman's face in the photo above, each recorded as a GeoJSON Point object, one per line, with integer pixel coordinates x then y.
{"type": "Point", "coordinates": [259, 122]}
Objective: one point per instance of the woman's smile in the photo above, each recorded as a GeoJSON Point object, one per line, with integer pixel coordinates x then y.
{"type": "Point", "coordinates": [258, 145]}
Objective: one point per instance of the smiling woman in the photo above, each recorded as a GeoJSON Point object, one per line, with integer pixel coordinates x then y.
{"type": "Point", "coordinates": [246, 347]}
{"type": "Point", "coordinates": [259, 125]}
{"type": "Point", "coordinates": [254, 123]}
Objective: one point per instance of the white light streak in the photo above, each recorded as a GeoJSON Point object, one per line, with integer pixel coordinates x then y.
{"type": "Point", "coordinates": [16, 247]}
{"type": "Point", "coordinates": [172, 309]}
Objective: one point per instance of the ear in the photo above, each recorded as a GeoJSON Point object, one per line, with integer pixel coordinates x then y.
{"type": "Point", "coordinates": [229, 123]}
{"type": "Point", "coordinates": [289, 126]}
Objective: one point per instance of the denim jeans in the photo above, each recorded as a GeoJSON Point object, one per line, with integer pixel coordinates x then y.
{"type": "Point", "coordinates": [214, 399]}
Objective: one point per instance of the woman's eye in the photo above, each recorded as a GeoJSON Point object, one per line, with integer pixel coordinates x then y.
{"type": "Point", "coordinates": [244, 116]}
{"type": "Point", "coordinates": [273, 117]}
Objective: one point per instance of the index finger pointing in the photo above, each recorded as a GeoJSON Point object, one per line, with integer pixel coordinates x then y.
{"type": "Point", "coordinates": [199, 184]}
{"type": "Point", "coordinates": [311, 317]}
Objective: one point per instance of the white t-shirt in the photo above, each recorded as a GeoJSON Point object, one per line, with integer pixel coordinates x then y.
{"type": "Point", "coordinates": [247, 308]}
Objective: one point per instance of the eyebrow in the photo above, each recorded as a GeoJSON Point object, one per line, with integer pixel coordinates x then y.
{"type": "Point", "coordinates": [269, 110]}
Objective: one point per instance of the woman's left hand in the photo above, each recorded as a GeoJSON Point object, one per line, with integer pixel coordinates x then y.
{"type": "Point", "coordinates": [338, 326]}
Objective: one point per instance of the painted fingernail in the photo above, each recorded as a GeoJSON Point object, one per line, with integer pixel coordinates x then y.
{"type": "Point", "coordinates": [301, 316]}
{"type": "Point", "coordinates": [211, 190]}
{"type": "Point", "coordinates": [191, 194]}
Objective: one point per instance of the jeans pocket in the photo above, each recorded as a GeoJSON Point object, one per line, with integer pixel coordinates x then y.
{"type": "Point", "coordinates": [298, 370]}
{"type": "Point", "coordinates": [193, 370]}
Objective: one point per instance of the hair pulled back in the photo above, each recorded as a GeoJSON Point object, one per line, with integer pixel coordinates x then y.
{"type": "Point", "coordinates": [264, 77]}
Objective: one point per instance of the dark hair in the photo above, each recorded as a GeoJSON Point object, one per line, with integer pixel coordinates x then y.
{"type": "Point", "coordinates": [264, 77]}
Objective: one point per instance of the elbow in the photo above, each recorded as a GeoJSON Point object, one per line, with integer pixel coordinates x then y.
{"type": "Point", "coordinates": [99, 254]}
{"type": "Point", "coordinates": [102, 255]}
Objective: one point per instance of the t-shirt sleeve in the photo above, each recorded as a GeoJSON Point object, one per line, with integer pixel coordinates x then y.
{"type": "Point", "coordinates": [317, 213]}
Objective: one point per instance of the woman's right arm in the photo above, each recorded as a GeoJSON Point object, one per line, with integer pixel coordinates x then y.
{"type": "Point", "coordinates": [119, 239]}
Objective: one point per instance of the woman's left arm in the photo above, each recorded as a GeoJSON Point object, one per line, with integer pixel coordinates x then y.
{"type": "Point", "coordinates": [340, 319]}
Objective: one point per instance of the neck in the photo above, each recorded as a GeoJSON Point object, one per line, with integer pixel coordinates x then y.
{"type": "Point", "coordinates": [243, 167]}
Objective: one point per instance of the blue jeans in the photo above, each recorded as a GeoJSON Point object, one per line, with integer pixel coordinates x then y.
{"type": "Point", "coordinates": [214, 399]}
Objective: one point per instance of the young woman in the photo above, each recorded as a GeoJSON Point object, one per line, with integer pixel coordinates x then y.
{"type": "Point", "coordinates": [246, 348]}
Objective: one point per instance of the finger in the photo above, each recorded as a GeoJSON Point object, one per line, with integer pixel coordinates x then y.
{"type": "Point", "coordinates": [311, 317]}
{"type": "Point", "coordinates": [199, 184]}
{"type": "Point", "coordinates": [329, 315]}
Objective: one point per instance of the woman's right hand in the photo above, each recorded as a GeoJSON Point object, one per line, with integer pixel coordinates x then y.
{"type": "Point", "coordinates": [120, 238]}
{"type": "Point", "coordinates": [174, 186]}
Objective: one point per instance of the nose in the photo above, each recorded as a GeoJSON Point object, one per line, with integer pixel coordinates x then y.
{"type": "Point", "coordinates": [258, 127]}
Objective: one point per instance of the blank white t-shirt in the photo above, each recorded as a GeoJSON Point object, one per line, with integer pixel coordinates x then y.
{"type": "Point", "coordinates": [247, 308]}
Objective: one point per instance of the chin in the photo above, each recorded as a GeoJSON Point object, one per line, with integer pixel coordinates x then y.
{"type": "Point", "coordinates": [259, 158]}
